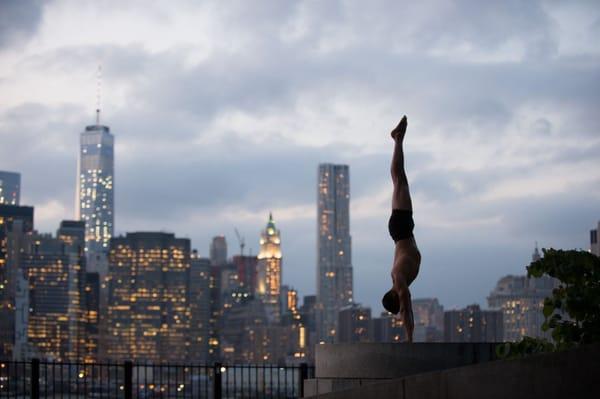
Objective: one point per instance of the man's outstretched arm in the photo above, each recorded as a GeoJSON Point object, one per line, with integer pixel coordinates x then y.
{"type": "Point", "coordinates": [406, 312]}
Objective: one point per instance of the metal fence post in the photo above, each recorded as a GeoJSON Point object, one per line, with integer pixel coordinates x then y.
{"type": "Point", "coordinates": [303, 376]}
{"type": "Point", "coordinates": [128, 379]}
{"type": "Point", "coordinates": [35, 378]}
{"type": "Point", "coordinates": [217, 381]}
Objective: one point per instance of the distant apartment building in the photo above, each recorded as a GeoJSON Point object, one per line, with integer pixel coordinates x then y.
{"type": "Point", "coordinates": [244, 334]}
{"type": "Point", "coordinates": [268, 281]}
{"type": "Point", "coordinates": [15, 223]}
{"type": "Point", "coordinates": [55, 271]}
{"type": "Point", "coordinates": [334, 257]}
{"type": "Point", "coordinates": [199, 302]}
{"type": "Point", "coordinates": [148, 300]}
{"type": "Point", "coordinates": [248, 335]}
{"type": "Point", "coordinates": [521, 301]}
{"type": "Point", "coordinates": [72, 234]}
{"type": "Point", "coordinates": [10, 188]}
{"type": "Point", "coordinates": [472, 324]}
{"type": "Point", "coordinates": [387, 328]}
{"type": "Point", "coordinates": [429, 320]}
{"type": "Point", "coordinates": [594, 246]}
{"type": "Point", "coordinates": [247, 271]}
{"type": "Point", "coordinates": [354, 322]}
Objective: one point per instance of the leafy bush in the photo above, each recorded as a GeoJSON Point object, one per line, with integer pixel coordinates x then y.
{"type": "Point", "coordinates": [572, 313]}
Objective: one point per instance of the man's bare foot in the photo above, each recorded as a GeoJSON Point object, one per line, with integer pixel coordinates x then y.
{"type": "Point", "coordinates": [400, 130]}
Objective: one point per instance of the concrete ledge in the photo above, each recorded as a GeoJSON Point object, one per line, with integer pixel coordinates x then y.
{"type": "Point", "coordinates": [570, 374]}
{"type": "Point", "coordinates": [393, 360]}
{"type": "Point", "coordinates": [317, 386]}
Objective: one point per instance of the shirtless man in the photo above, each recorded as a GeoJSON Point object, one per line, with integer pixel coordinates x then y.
{"type": "Point", "coordinates": [407, 257]}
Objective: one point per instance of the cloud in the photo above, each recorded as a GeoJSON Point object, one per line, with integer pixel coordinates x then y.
{"type": "Point", "coordinates": [19, 21]}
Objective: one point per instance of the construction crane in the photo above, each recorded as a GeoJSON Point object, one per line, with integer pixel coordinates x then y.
{"type": "Point", "coordinates": [241, 240]}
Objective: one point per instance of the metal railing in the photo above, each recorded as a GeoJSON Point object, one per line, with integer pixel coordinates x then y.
{"type": "Point", "coordinates": [47, 379]}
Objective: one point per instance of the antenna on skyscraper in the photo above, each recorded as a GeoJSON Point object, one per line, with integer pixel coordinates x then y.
{"type": "Point", "coordinates": [98, 93]}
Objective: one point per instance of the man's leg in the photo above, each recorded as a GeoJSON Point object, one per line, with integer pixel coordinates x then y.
{"type": "Point", "coordinates": [401, 200]}
{"type": "Point", "coordinates": [401, 196]}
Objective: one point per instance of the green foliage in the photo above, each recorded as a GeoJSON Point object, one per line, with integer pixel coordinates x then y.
{"type": "Point", "coordinates": [572, 313]}
{"type": "Point", "coordinates": [527, 346]}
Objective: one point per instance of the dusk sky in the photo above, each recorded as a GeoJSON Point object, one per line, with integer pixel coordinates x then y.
{"type": "Point", "coordinates": [222, 112]}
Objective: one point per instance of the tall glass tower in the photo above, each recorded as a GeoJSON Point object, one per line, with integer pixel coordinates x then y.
{"type": "Point", "coordinates": [334, 262]}
{"type": "Point", "coordinates": [95, 193]}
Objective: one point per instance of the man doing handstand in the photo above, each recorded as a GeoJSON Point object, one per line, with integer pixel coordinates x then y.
{"type": "Point", "coordinates": [407, 257]}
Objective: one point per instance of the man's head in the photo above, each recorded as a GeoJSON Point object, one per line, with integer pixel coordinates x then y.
{"type": "Point", "coordinates": [391, 302]}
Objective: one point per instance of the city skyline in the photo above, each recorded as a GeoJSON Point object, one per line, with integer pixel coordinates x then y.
{"type": "Point", "coordinates": [512, 163]}
{"type": "Point", "coordinates": [154, 300]}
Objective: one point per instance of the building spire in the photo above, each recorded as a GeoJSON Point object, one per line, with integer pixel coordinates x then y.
{"type": "Point", "coordinates": [98, 93]}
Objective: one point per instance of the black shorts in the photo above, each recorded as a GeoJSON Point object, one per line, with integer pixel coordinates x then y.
{"type": "Point", "coordinates": [401, 224]}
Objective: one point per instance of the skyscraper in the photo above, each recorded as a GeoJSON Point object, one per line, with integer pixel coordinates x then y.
{"type": "Point", "coordinates": [148, 301]}
{"type": "Point", "coordinates": [268, 284]}
{"type": "Point", "coordinates": [15, 223]}
{"type": "Point", "coordinates": [521, 300]}
{"type": "Point", "coordinates": [354, 324]}
{"type": "Point", "coordinates": [55, 269]}
{"type": "Point", "coordinates": [429, 320]}
{"type": "Point", "coordinates": [199, 302]}
{"type": "Point", "coordinates": [95, 193]}
{"type": "Point", "coordinates": [246, 271]}
{"type": "Point", "coordinates": [472, 324]}
{"type": "Point", "coordinates": [218, 251]}
{"type": "Point", "coordinates": [10, 188]}
{"type": "Point", "coordinates": [387, 328]}
{"type": "Point", "coordinates": [334, 262]}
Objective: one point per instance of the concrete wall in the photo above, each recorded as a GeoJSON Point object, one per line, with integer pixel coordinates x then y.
{"type": "Point", "coordinates": [393, 360]}
{"type": "Point", "coordinates": [570, 374]}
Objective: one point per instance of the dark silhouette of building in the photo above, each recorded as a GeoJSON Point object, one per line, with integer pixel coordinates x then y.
{"type": "Point", "coordinates": [387, 328]}
{"type": "Point", "coordinates": [218, 251]}
{"type": "Point", "coordinates": [243, 334]}
{"type": "Point", "coordinates": [472, 324]}
{"type": "Point", "coordinates": [72, 233]}
{"type": "Point", "coordinates": [15, 222]}
{"type": "Point", "coordinates": [247, 271]}
{"type": "Point", "coordinates": [429, 320]}
{"type": "Point", "coordinates": [10, 188]}
{"type": "Point", "coordinates": [309, 333]}
{"type": "Point", "coordinates": [594, 246]}
{"type": "Point", "coordinates": [55, 271]}
{"type": "Point", "coordinates": [354, 323]}
{"type": "Point", "coordinates": [199, 302]}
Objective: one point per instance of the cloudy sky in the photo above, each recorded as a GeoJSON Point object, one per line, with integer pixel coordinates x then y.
{"type": "Point", "coordinates": [223, 110]}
